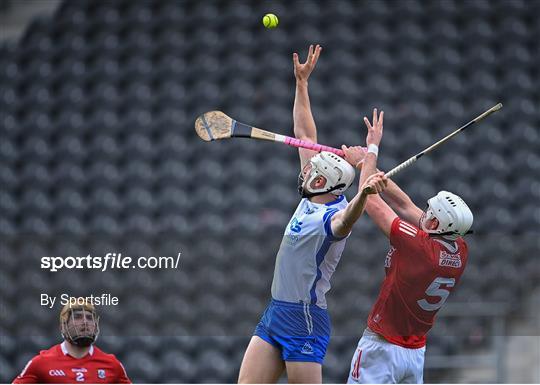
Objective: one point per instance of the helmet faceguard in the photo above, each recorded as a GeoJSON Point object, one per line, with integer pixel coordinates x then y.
{"type": "Point", "coordinates": [337, 172]}
{"type": "Point", "coordinates": [454, 216]}
{"type": "Point", "coordinates": [79, 324]}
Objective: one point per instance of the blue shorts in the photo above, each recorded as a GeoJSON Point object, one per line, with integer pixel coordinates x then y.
{"type": "Point", "coordinates": [300, 331]}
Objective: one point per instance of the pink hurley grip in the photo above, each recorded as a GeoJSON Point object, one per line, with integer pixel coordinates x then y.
{"type": "Point", "coordinates": [312, 146]}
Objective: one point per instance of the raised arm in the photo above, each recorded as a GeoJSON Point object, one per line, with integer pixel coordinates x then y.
{"type": "Point", "coordinates": [373, 140]}
{"type": "Point", "coordinates": [343, 221]}
{"type": "Point", "coordinates": [401, 203]}
{"type": "Point", "coordinates": [396, 203]}
{"type": "Point", "coordinates": [304, 125]}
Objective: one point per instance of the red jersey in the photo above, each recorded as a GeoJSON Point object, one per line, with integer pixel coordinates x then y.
{"type": "Point", "coordinates": [420, 274]}
{"type": "Point", "coordinates": [57, 366]}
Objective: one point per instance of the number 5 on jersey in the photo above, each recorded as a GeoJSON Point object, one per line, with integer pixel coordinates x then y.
{"type": "Point", "coordinates": [435, 290]}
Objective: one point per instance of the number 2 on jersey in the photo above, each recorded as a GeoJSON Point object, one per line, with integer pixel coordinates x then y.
{"type": "Point", "coordinates": [434, 290]}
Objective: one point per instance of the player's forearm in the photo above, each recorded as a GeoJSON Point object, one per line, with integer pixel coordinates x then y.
{"type": "Point", "coordinates": [400, 202]}
{"type": "Point", "coordinates": [380, 213]}
{"type": "Point", "coordinates": [369, 167]}
{"type": "Point", "coordinates": [304, 124]}
{"type": "Point", "coordinates": [348, 217]}
{"type": "Point", "coordinates": [396, 197]}
{"type": "Point", "coordinates": [373, 204]}
{"type": "Point", "coordinates": [344, 221]}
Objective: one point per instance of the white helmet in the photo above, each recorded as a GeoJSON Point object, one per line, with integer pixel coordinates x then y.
{"type": "Point", "coordinates": [339, 175]}
{"type": "Point", "coordinates": [454, 216]}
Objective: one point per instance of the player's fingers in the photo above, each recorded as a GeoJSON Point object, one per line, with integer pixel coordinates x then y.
{"type": "Point", "coordinates": [344, 148]}
{"type": "Point", "coordinates": [366, 121]}
{"type": "Point", "coordinates": [374, 117]}
{"type": "Point", "coordinates": [310, 54]}
{"type": "Point", "coordinates": [376, 185]}
{"type": "Point", "coordinates": [381, 118]}
{"type": "Point", "coordinates": [295, 59]}
{"type": "Point", "coordinates": [317, 53]}
{"type": "Point", "coordinates": [315, 57]}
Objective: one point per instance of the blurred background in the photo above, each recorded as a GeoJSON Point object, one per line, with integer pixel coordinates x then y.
{"type": "Point", "coordinates": [98, 153]}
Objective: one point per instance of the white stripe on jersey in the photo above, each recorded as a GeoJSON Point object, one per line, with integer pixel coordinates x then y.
{"type": "Point", "coordinates": [407, 229]}
{"type": "Point", "coordinates": [25, 368]}
{"type": "Point", "coordinates": [309, 320]}
{"type": "Point", "coordinates": [405, 224]}
{"type": "Point", "coordinates": [124, 369]}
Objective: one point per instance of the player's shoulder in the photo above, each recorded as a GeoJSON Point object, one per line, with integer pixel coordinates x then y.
{"type": "Point", "coordinates": [462, 246]}
{"type": "Point", "coordinates": [102, 354]}
{"type": "Point", "coordinates": [462, 243]}
{"type": "Point", "coordinates": [53, 351]}
{"type": "Point", "coordinates": [44, 356]}
{"type": "Point", "coordinates": [404, 228]}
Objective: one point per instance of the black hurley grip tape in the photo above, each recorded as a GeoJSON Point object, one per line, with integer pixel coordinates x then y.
{"type": "Point", "coordinates": [241, 130]}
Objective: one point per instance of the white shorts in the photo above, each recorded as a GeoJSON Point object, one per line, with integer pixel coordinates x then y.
{"type": "Point", "coordinates": [377, 361]}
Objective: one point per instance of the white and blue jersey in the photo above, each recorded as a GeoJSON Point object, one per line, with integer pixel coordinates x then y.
{"type": "Point", "coordinates": [308, 255]}
{"type": "Point", "coordinates": [296, 321]}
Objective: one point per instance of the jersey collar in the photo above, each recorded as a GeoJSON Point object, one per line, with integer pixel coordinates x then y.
{"type": "Point", "coordinates": [451, 246]}
{"type": "Point", "coordinates": [66, 353]}
{"type": "Point", "coordinates": [336, 201]}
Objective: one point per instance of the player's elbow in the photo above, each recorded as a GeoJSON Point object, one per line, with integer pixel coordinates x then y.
{"type": "Point", "coordinates": [341, 228]}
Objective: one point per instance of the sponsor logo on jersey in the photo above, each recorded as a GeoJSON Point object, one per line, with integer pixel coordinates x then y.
{"type": "Point", "coordinates": [307, 348]}
{"type": "Point", "coordinates": [377, 317]}
{"type": "Point", "coordinates": [388, 259]}
{"type": "Point", "coordinates": [291, 239]}
{"type": "Point", "coordinates": [79, 370]}
{"type": "Point", "coordinates": [56, 373]}
{"type": "Point", "coordinates": [408, 229]}
{"type": "Point", "coordinates": [296, 226]}
{"type": "Point", "coordinates": [449, 260]}
{"type": "Point", "coordinates": [101, 373]}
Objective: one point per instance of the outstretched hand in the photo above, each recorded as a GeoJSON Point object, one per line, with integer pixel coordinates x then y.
{"type": "Point", "coordinates": [302, 71]}
{"type": "Point", "coordinates": [375, 131]}
{"type": "Point", "coordinates": [354, 154]}
{"type": "Point", "coordinates": [375, 184]}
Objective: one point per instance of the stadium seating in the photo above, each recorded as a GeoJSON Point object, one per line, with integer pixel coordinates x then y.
{"type": "Point", "coordinates": [98, 154]}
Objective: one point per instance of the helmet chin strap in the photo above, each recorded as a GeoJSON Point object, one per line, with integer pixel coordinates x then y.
{"type": "Point", "coordinates": [306, 194]}
{"type": "Point", "coordinates": [454, 233]}
{"type": "Point", "coordinates": [82, 341]}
